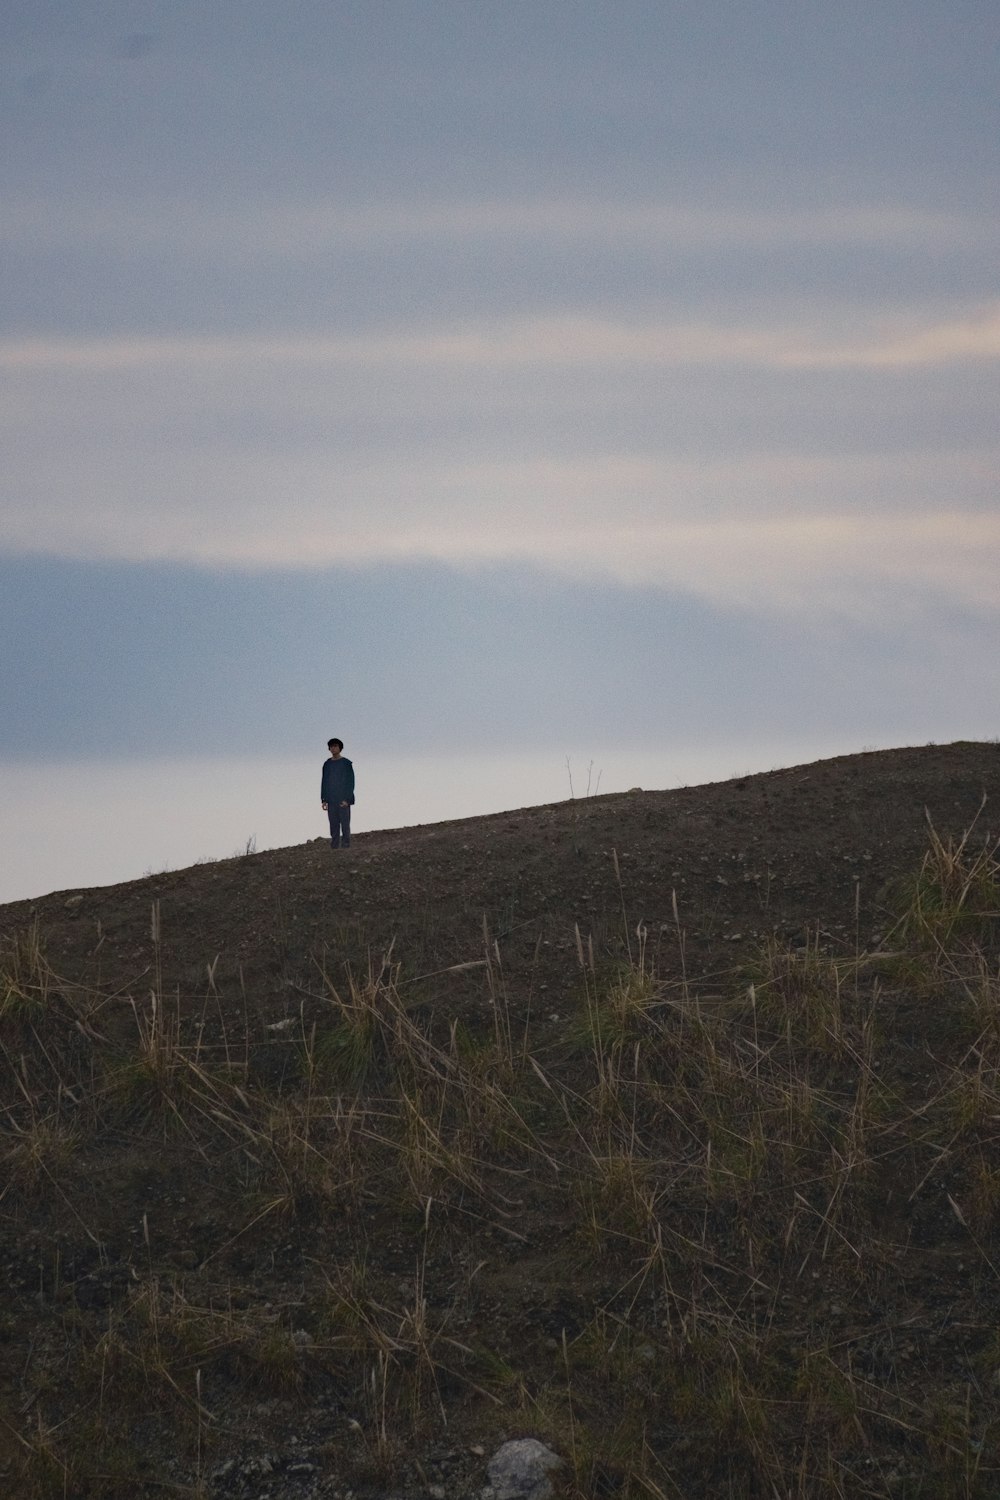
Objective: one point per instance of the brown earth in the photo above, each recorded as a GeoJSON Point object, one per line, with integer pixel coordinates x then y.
{"type": "Point", "coordinates": [217, 1285]}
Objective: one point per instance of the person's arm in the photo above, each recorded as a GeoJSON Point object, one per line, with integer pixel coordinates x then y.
{"type": "Point", "coordinates": [322, 787]}
{"type": "Point", "coordinates": [350, 786]}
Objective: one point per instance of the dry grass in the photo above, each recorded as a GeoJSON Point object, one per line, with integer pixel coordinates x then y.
{"type": "Point", "coordinates": [689, 1189]}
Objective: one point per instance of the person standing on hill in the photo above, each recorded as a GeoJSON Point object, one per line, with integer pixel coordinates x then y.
{"type": "Point", "coordinates": [337, 794]}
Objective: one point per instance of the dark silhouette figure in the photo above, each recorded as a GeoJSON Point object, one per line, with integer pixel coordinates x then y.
{"type": "Point", "coordinates": [337, 794]}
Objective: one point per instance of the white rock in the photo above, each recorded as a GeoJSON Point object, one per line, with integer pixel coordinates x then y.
{"type": "Point", "coordinates": [519, 1470]}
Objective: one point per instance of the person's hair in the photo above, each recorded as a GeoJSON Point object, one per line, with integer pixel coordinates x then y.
{"type": "Point", "coordinates": [339, 744]}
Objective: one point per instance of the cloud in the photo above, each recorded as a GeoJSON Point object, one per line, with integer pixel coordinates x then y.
{"type": "Point", "coordinates": [488, 443]}
{"type": "Point", "coordinates": [293, 230]}
{"type": "Point", "coordinates": [902, 341]}
{"type": "Point", "coordinates": [664, 452]}
{"type": "Point", "coordinates": [114, 658]}
{"type": "Point", "coordinates": [855, 565]}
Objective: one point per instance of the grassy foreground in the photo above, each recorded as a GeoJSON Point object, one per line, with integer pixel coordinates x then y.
{"type": "Point", "coordinates": [730, 1234]}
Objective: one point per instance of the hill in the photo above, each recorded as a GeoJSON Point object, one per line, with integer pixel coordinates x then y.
{"type": "Point", "coordinates": [659, 1126]}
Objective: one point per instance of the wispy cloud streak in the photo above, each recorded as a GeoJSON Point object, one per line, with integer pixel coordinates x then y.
{"type": "Point", "coordinates": [903, 341]}
{"type": "Point", "coordinates": [301, 229]}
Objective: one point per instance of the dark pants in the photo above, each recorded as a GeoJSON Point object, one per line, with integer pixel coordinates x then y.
{"type": "Point", "coordinates": [340, 825]}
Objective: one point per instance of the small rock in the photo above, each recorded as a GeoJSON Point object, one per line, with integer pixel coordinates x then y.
{"type": "Point", "coordinates": [519, 1470]}
{"type": "Point", "coordinates": [72, 901]}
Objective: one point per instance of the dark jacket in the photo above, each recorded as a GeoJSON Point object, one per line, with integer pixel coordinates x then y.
{"type": "Point", "coordinates": [337, 785]}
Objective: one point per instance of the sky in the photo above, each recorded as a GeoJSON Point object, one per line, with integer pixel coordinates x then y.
{"type": "Point", "coordinates": [493, 385]}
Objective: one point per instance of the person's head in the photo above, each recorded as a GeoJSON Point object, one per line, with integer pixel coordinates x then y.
{"type": "Point", "coordinates": [335, 747]}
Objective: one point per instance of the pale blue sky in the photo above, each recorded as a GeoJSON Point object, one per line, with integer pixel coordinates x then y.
{"type": "Point", "coordinates": [439, 372]}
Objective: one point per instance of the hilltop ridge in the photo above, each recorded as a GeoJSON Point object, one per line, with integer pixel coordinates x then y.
{"type": "Point", "coordinates": [778, 849]}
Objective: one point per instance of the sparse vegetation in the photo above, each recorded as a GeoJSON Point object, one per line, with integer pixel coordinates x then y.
{"type": "Point", "coordinates": [707, 1229]}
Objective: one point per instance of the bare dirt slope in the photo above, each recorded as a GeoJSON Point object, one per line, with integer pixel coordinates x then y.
{"type": "Point", "coordinates": [779, 852]}
{"type": "Point", "coordinates": [327, 1170]}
